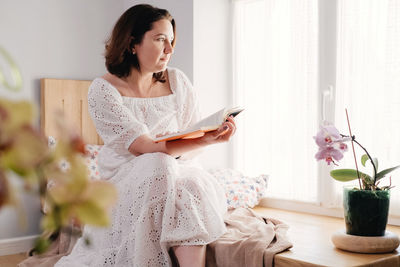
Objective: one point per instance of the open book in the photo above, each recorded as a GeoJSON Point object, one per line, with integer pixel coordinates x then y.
{"type": "Point", "coordinates": [208, 124]}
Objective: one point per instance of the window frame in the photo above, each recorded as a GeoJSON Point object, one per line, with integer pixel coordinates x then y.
{"type": "Point", "coordinates": [326, 203]}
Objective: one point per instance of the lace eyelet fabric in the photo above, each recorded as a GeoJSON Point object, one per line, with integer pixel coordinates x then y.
{"type": "Point", "coordinates": [91, 152]}
{"type": "Point", "coordinates": [162, 201]}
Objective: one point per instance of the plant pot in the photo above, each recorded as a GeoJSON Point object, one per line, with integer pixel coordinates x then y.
{"type": "Point", "coordinates": [365, 211]}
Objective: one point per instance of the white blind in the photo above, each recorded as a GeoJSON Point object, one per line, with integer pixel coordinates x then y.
{"type": "Point", "coordinates": [368, 83]}
{"type": "Point", "coordinates": [275, 72]}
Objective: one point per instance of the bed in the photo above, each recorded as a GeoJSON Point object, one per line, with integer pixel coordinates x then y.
{"type": "Point", "coordinates": [70, 96]}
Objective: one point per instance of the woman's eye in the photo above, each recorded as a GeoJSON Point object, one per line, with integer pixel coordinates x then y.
{"type": "Point", "coordinates": [161, 39]}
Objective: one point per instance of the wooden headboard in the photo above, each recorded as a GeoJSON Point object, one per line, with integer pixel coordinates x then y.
{"type": "Point", "coordinates": [69, 96]}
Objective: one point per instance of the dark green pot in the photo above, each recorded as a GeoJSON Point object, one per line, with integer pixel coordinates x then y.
{"type": "Point", "coordinates": [365, 211]}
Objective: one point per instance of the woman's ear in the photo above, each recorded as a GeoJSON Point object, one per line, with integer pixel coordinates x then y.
{"type": "Point", "coordinates": [132, 45]}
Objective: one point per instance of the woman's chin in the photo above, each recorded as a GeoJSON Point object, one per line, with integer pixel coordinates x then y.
{"type": "Point", "coordinates": [162, 67]}
{"type": "Point", "coordinates": [158, 67]}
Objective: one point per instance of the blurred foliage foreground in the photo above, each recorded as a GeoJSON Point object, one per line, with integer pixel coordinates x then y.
{"type": "Point", "coordinates": [57, 173]}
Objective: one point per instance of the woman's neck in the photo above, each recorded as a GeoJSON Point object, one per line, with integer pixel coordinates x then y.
{"type": "Point", "coordinates": [140, 83]}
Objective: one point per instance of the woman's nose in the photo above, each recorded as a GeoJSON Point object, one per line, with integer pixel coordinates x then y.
{"type": "Point", "coordinates": [168, 48]}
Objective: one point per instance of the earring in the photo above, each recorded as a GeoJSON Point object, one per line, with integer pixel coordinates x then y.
{"type": "Point", "coordinates": [133, 51]}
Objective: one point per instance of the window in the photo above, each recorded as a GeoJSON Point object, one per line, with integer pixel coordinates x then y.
{"type": "Point", "coordinates": [368, 81]}
{"type": "Point", "coordinates": [276, 81]}
{"type": "Point", "coordinates": [299, 62]}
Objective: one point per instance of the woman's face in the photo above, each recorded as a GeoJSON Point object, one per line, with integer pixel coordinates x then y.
{"type": "Point", "coordinates": [155, 50]}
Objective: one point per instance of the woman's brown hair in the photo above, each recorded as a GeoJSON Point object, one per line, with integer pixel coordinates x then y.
{"type": "Point", "coordinates": [128, 31]}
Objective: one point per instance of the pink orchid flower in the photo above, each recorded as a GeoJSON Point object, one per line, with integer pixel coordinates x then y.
{"type": "Point", "coordinates": [327, 135]}
{"type": "Point", "coordinates": [329, 154]}
{"type": "Point", "coordinates": [331, 144]}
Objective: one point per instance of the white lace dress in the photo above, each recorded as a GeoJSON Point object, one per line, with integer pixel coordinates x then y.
{"type": "Point", "coordinates": [163, 202]}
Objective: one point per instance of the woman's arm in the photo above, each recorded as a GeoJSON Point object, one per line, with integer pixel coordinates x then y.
{"type": "Point", "coordinates": [144, 144]}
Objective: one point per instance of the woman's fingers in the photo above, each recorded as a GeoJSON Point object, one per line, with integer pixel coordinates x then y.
{"type": "Point", "coordinates": [222, 130]}
{"type": "Point", "coordinates": [226, 130]}
{"type": "Point", "coordinates": [222, 134]}
{"type": "Point", "coordinates": [231, 120]}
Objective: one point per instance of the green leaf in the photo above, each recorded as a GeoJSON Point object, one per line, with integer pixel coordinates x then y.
{"type": "Point", "coordinates": [382, 174]}
{"type": "Point", "coordinates": [345, 175]}
{"type": "Point", "coordinates": [376, 163]}
{"type": "Point", "coordinates": [49, 223]}
{"type": "Point", "coordinates": [102, 193]}
{"type": "Point", "coordinates": [41, 245]}
{"type": "Point", "coordinates": [364, 159]}
{"type": "Point", "coordinates": [90, 213]}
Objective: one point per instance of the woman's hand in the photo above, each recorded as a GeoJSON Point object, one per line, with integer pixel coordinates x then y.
{"type": "Point", "coordinates": [145, 144]}
{"type": "Point", "coordinates": [222, 134]}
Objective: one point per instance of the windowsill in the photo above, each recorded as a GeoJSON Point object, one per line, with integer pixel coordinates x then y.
{"type": "Point", "coordinates": [312, 208]}
{"type": "Point", "coordinates": [312, 246]}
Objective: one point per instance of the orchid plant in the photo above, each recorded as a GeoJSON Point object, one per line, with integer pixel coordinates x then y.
{"type": "Point", "coordinates": [332, 145]}
{"type": "Point", "coordinates": [26, 154]}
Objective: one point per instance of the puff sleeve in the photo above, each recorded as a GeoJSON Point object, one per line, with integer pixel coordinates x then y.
{"type": "Point", "coordinates": [188, 101]}
{"type": "Point", "coordinates": [114, 122]}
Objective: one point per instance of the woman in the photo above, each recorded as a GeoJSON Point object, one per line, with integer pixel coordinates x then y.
{"type": "Point", "coordinates": [167, 202]}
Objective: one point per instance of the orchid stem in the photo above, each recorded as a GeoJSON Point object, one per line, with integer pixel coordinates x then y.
{"type": "Point", "coordinates": [369, 156]}
{"type": "Point", "coordinates": [354, 152]}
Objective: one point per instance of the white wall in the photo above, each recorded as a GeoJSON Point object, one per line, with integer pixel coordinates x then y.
{"type": "Point", "coordinates": [212, 67]}
{"type": "Point", "coordinates": [52, 39]}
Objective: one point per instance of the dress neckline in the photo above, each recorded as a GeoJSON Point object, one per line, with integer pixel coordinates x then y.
{"type": "Point", "coordinates": [172, 86]}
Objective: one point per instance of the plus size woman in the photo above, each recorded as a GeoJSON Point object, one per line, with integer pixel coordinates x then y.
{"type": "Point", "coordinates": [168, 205]}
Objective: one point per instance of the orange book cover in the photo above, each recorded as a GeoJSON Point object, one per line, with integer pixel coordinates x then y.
{"type": "Point", "coordinates": [210, 123]}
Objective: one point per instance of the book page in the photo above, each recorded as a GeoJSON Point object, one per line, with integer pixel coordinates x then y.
{"type": "Point", "coordinates": [233, 112]}
{"type": "Point", "coordinates": [210, 123]}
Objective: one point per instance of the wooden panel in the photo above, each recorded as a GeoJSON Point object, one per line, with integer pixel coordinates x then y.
{"type": "Point", "coordinates": [12, 260]}
{"type": "Point", "coordinates": [69, 97]}
{"type": "Point", "coordinates": [312, 246]}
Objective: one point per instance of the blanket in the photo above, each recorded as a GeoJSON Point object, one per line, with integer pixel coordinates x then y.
{"type": "Point", "coordinates": [250, 240]}
{"type": "Point", "coordinates": [62, 246]}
